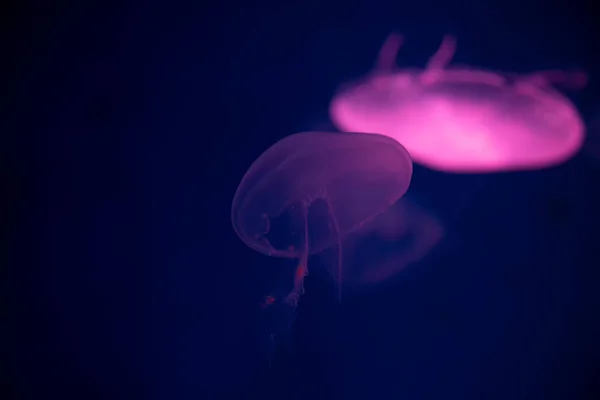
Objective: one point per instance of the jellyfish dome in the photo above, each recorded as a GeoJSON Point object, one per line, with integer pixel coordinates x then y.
{"type": "Point", "coordinates": [461, 119]}
{"type": "Point", "coordinates": [307, 191]}
{"type": "Point", "coordinates": [357, 176]}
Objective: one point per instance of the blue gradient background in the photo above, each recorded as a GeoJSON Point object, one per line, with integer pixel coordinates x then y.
{"type": "Point", "coordinates": [128, 128]}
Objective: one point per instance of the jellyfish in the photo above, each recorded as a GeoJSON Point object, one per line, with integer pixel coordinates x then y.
{"type": "Point", "coordinates": [461, 119]}
{"type": "Point", "coordinates": [402, 235]}
{"type": "Point", "coordinates": [309, 190]}
{"type": "Point", "coordinates": [306, 193]}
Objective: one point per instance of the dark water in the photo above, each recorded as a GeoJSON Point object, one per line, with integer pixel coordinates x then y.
{"type": "Point", "coordinates": [127, 131]}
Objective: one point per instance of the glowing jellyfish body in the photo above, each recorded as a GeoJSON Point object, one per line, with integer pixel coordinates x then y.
{"type": "Point", "coordinates": [307, 191]}
{"type": "Point", "coordinates": [459, 119]}
{"type": "Point", "coordinates": [402, 235]}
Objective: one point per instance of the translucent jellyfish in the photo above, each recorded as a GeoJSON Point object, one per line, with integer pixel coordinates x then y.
{"type": "Point", "coordinates": [309, 190]}
{"type": "Point", "coordinates": [402, 235]}
{"type": "Point", "coordinates": [461, 119]}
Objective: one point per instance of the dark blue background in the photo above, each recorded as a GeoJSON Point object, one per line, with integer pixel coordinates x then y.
{"type": "Point", "coordinates": [128, 128]}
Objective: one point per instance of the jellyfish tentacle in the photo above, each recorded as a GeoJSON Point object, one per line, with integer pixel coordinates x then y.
{"type": "Point", "coordinates": [443, 56]}
{"type": "Point", "coordinates": [270, 349]}
{"type": "Point", "coordinates": [302, 268]}
{"type": "Point", "coordinates": [280, 317]}
{"type": "Point", "coordinates": [340, 258]}
{"type": "Point", "coordinates": [298, 290]}
{"type": "Point", "coordinates": [386, 59]}
{"type": "Point", "coordinates": [434, 70]}
{"type": "Point", "coordinates": [292, 299]}
{"type": "Point", "coordinates": [339, 248]}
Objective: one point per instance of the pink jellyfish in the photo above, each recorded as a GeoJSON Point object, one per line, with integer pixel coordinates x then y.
{"type": "Point", "coordinates": [464, 120]}
{"type": "Point", "coordinates": [402, 235]}
{"type": "Point", "coordinates": [307, 191]}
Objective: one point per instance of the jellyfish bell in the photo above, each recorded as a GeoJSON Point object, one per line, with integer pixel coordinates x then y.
{"type": "Point", "coordinates": [307, 191]}
{"type": "Point", "coordinates": [464, 120]}
{"type": "Point", "coordinates": [402, 235]}
{"type": "Point", "coordinates": [357, 175]}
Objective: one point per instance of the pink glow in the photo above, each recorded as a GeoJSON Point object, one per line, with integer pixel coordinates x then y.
{"type": "Point", "coordinates": [460, 119]}
{"type": "Point", "coordinates": [309, 190]}
{"type": "Point", "coordinates": [409, 230]}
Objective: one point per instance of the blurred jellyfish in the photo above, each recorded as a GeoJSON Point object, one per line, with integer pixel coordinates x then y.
{"type": "Point", "coordinates": [402, 235]}
{"type": "Point", "coordinates": [309, 190]}
{"type": "Point", "coordinates": [461, 119]}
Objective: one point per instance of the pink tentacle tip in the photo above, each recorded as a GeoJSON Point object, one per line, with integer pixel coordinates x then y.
{"type": "Point", "coordinates": [267, 301]}
{"type": "Point", "coordinates": [447, 47]}
{"type": "Point", "coordinates": [395, 39]}
{"type": "Point", "coordinates": [449, 41]}
{"type": "Point", "coordinates": [443, 56]}
{"type": "Point", "coordinates": [386, 59]}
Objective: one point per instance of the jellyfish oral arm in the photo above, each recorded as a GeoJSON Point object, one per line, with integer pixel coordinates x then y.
{"type": "Point", "coordinates": [386, 60]}
{"type": "Point", "coordinates": [302, 268]}
{"type": "Point", "coordinates": [441, 58]}
{"type": "Point", "coordinates": [340, 256]}
{"type": "Point", "coordinates": [301, 271]}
